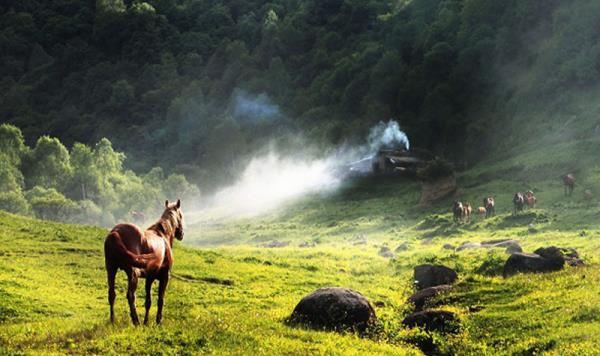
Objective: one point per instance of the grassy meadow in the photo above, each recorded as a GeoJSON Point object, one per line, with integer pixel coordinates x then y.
{"type": "Point", "coordinates": [231, 295]}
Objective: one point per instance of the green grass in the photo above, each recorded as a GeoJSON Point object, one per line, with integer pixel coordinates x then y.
{"type": "Point", "coordinates": [229, 295]}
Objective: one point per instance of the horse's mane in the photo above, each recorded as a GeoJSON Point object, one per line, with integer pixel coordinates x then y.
{"type": "Point", "coordinates": [168, 222]}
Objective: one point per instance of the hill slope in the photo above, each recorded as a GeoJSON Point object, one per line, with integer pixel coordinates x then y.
{"type": "Point", "coordinates": [236, 298]}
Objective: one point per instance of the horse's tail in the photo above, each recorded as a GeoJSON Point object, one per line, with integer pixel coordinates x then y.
{"type": "Point", "coordinates": [115, 248]}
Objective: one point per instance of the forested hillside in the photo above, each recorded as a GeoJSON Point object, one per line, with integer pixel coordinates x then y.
{"type": "Point", "coordinates": [190, 84]}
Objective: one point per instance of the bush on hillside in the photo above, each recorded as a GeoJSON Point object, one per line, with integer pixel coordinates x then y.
{"type": "Point", "coordinates": [435, 169]}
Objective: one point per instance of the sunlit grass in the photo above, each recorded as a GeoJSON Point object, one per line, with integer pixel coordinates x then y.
{"type": "Point", "coordinates": [229, 295]}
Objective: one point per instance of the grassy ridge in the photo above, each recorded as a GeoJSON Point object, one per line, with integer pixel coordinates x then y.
{"type": "Point", "coordinates": [236, 297]}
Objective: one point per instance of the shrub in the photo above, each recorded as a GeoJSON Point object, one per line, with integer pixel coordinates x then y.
{"type": "Point", "coordinates": [49, 204]}
{"type": "Point", "coordinates": [14, 202]}
{"type": "Point", "coordinates": [435, 169]}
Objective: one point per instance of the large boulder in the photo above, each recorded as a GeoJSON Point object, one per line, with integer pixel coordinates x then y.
{"type": "Point", "coordinates": [570, 255]}
{"type": "Point", "coordinates": [334, 308]}
{"type": "Point", "coordinates": [542, 260]}
{"type": "Point", "coordinates": [420, 298]}
{"type": "Point", "coordinates": [433, 320]}
{"type": "Point", "coordinates": [433, 275]}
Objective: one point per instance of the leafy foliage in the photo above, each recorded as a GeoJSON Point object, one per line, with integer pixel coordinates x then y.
{"type": "Point", "coordinates": [159, 77]}
{"type": "Point", "coordinates": [85, 185]}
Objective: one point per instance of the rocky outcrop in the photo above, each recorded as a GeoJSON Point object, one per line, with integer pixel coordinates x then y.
{"type": "Point", "coordinates": [432, 192]}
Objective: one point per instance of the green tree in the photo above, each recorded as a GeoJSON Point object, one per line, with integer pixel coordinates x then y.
{"type": "Point", "coordinates": [86, 175]}
{"type": "Point", "coordinates": [12, 144]}
{"type": "Point", "coordinates": [49, 164]}
{"type": "Point", "coordinates": [49, 204]}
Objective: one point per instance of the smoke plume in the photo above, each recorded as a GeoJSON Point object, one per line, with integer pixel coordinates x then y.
{"type": "Point", "coordinates": [387, 135]}
{"type": "Point", "coordinates": [248, 107]}
{"type": "Point", "coordinates": [272, 179]}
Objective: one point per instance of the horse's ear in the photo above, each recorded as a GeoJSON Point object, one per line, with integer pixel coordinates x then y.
{"type": "Point", "coordinates": [178, 205]}
{"type": "Point", "coordinates": [166, 203]}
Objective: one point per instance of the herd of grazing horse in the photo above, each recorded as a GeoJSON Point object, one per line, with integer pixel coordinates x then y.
{"type": "Point", "coordinates": [462, 211]}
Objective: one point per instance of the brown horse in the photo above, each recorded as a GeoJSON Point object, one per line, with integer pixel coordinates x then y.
{"type": "Point", "coordinates": [569, 182]}
{"type": "Point", "coordinates": [481, 212]}
{"type": "Point", "coordinates": [145, 254]}
{"type": "Point", "coordinates": [588, 196]}
{"type": "Point", "coordinates": [457, 211]}
{"type": "Point", "coordinates": [490, 206]}
{"type": "Point", "coordinates": [467, 210]}
{"type": "Point", "coordinates": [530, 199]}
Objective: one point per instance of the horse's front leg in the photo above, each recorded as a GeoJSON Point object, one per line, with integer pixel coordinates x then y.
{"type": "Point", "coordinates": [148, 303]}
{"type": "Point", "coordinates": [162, 288]}
{"type": "Point", "coordinates": [131, 287]}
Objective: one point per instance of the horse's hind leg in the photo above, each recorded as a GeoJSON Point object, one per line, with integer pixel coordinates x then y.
{"type": "Point", "coordinates": [111, 272]}
{"type": "Point", "coordinates": [162, 288]}
{"type": "Point", "coordinates": [148, 303]}
{"type": "Point", "coordinates": [131, 287]}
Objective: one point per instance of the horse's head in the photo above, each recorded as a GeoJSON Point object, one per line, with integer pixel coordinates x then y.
{"type": "Point", "coordinates": [176, 216]}
{"type": "Point", "coordinates": [518, 197]}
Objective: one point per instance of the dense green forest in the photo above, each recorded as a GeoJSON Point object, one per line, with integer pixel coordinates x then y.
{"type": "Point", "coordinates": [190, 84]}
{"type": "Point", "coordinates": [84, 185]}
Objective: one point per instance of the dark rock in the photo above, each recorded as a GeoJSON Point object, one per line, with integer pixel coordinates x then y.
{"type": "Point", "coordinates": [531, 228]}
{"type": "Point", "coordinates": [386, 252]}
{"type": "Point", "coordinates": [402, 247]}
{"type": "Point", "coordinates": [572, 257]}
{"type": "Point", "coordinates": [334, 309]}
{"type": "Point", "coordinates": [448, 247]}
{"type": "Point", "coordinates": [420, 298]}
{"type": "Point", "coordinates": [433, 275]}
{"type": "Point", "coordinates": [307, 244]}
{"type": "Point", "coordinates": [543, 260]}
{"type": "Point", "coordinates": [433, 320]}
{"type": "Point", "coordinates": [275, 244]}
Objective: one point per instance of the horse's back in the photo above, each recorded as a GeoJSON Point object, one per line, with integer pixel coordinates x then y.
{"type": "Point", "coordinates": [129, 235]}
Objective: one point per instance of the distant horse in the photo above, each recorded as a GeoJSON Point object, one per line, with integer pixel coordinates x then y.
{"type": "Point", "coordinates": [147, 254]}
{"type": "Point", "coordinates": [467, 210]}
{"type": "Point", "coordinates": [138, 217]}
{"type": "Point", "coordinates": [518, 202]}
{"type": "Point", "coordinates": [457, 210]}
{"type": "Point", "coordinates": [588, 196]}
{"type": "Point", "coordinates": [481, 212]}
{"type": "Point", "coordinates": [569, 182]}
{"type": "Point", "coordinates": [489, 205]}
{"type": "Point", "coordinates": [530, 199]}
